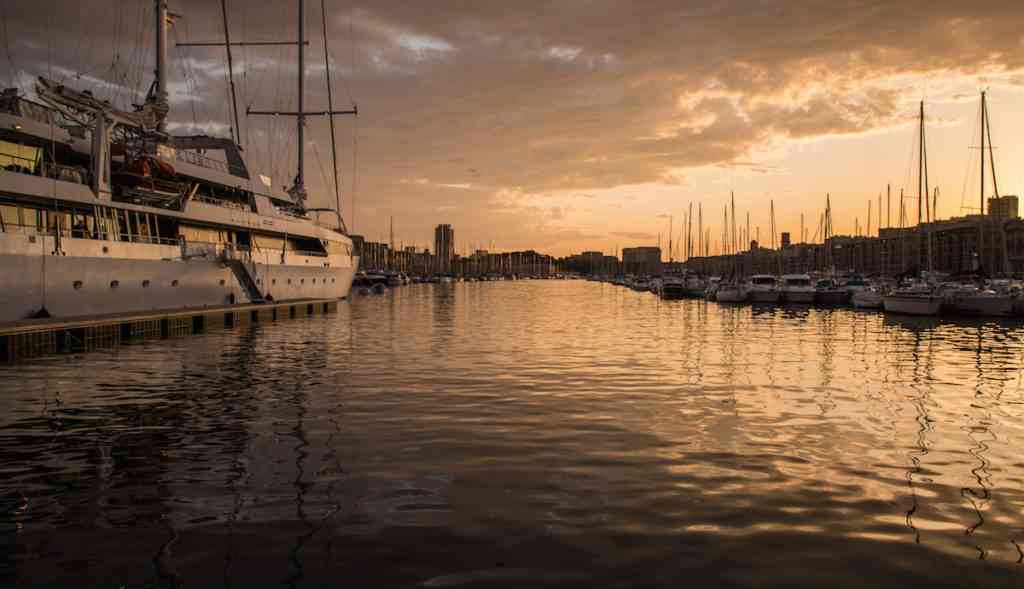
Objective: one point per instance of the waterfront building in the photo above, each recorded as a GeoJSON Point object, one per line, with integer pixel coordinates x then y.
{"type": "Point", "coordinates": [444, 248]}
{"type": "Point", "coordinates": [641, 260]}
{"type": "Point", "coordinates": [988, 244]}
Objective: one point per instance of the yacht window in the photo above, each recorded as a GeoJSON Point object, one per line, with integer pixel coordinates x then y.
{"type": "Point", "coordinates": [19, 158]}
{"type": "Point", "coordinates": [9, 215]}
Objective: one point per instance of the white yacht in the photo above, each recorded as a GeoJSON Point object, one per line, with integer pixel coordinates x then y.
{"type": "Point", "coordinates": [918, 298]}
{"type": "Point", "coordinates": [673, 286]}
{"type": "Point", "coordinates": [968, 299]}
{"type": "Point", "coordinates": [103, 211]}
{"type": "Point", "coordinates": [732, 291]}
{"type": "Point", "coordinates": [869, 297]}
{"type": "Point", "coordinates": [763, 288]}
{"type": "Point", "coordinates": [797, 289]}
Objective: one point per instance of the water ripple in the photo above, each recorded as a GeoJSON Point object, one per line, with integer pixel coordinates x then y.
{"type": "Point", "coordinates": [525, 433]}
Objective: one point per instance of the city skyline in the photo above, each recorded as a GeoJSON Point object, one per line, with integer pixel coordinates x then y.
{"type": "Point", "coordinates": [574, 129]}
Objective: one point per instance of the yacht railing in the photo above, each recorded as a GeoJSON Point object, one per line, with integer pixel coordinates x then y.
{"type": "Point", "coordinates": [198, 159]}
{"type": "Point", "coordinates": [220, 203]}
{"type": "Point", "coordinates": [80, 233]}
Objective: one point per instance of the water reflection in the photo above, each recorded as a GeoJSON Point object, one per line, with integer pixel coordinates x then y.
{"type": "Point", "coordinates": [524, 433]}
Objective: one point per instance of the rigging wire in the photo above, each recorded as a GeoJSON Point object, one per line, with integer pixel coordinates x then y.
{"type": "Point", "coordinates": [190, 80]}
{"type": "Point", "coordinates": [15, 70]}
{"type": "Point", "coordinates": [330, 107]}
{"type": "Point", "coordinates": [355, 159]}
{"type": "Point", "coordinates": [971, 167]}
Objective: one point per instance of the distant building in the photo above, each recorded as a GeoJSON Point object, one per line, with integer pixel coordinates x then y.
{"type": "Point", "coordinates": [444, 247]}
{"type": "Point", "coordinates": [785, 239]}
{"type": "Point", "coordinates": [641, 260]}
{"type": "Point", "coordinates": [1003, 207]}
{"type": "Point", "coordinates": [592, 262]}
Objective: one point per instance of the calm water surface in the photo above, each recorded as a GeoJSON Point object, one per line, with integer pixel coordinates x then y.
{"type": "Point", "coordinates": [523, 434]}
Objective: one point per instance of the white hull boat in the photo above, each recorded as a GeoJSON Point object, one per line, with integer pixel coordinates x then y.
{"type": "Point", "coordinates": [797, 289]}
{"type": "Point", "coordinates": [731, 293]}
{"type": "Point", "coordinates": [912, 303]}
{"type": "Point", "coordinates": [867, 298]}
{"type": "Point", "coordinates": [103, 211]}
{"type": "Point", "coordinates": [981, 304]}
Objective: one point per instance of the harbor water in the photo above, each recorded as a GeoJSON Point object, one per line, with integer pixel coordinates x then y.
{"type": "Point", "coordinates": [529, 433]}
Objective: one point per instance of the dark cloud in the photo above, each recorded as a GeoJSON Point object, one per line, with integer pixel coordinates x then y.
{"type": "Point", "coordinates": [461, 101]}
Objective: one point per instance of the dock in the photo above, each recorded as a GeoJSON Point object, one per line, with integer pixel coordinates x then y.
{"type": "Point", "coordinates": [33, 338]}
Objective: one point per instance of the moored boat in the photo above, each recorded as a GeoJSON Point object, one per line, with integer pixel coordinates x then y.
{"type": "Point", "coordinates": [103, 210]}
{"type": "Point", "coordinates": [916, 299]}
{"type": "Point", "coordinates": [867, 298]}
{"type": "Point", "coordinates": [981, 302]}
{"type": "Point", "coordinates": [797, 289]}
{"type": "Point", "coordinates": [763, 288]}
{"type": "Point", "coordinates": [672, 287]}
{"type": "Point", "coordinates": [828, 293]}
{"type": "Point", "coordinates": [731, 292]}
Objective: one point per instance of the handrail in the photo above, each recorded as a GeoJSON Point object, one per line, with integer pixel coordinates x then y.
{"type": "Point", "coordinates": [220, 203]}
{"type": "Point", "coordinates": [198, 159]}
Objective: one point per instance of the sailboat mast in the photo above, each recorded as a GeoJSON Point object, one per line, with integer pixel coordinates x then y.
{"type": "Point", "coordinates": [300, 118]}
{"type": "Point", "coordinates": [689, 232]}
{"type": "Point", "coordinates": [991, 157]}
{"type": "Point", "coordinates": [670, 229]}
{"type": "Point", "coordinates": [159, 94]}
{"type": "Point", "coordinates": [700, 231]}
{"type": "Point", "coordinates": [981, 195]}
{"type": "Point", "coordinates": [921, 160]}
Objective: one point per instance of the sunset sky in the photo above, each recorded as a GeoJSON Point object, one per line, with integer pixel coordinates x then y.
{"type": "Point", "coordinates": [577, 125]}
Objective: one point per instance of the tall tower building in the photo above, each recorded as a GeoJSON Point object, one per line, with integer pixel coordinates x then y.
{"type": "Point", "coordinates": [444, 247]}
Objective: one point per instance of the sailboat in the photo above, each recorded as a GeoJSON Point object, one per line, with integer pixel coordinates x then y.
{"type": "Point", "coordinates": [919, 297]}
{"type": "Point", "coordinates": [103, 210]}
{"type": "Point", "coordinates": [970, 299]}
{"type": "Point", "coordinates": [732, 290]}
{"type": "Point", "coordinates": [827, 291]}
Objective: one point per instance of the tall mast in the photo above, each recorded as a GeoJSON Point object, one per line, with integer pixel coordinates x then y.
{"type": "Point", "coordinates": [300, 115]}
{"type": "Point", "coordinates": [158, 95]}
{"type": "Point", "coordinates": [921, 161]}
{"type": "Point", "coordinates": [671, 227]}
{"type": "Point", "coordinates": [991, 157]}
{"type": "Point", "coordinates": [981, 195]}
{"type": "Point", "coordinates": [298, 189]}
{"type": "Point", "coordinates": [700, 230]}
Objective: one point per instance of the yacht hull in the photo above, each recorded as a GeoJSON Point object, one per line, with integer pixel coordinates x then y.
{"type": "Point", "coordinates": [763, 296]}
{"type": "Point", "coordinates": [864, 299]}
{"type": "Point", "coordinates": [912, 304]}
{"type": "Point", "coordinates": [798, 297]}
{"type": "Point", "coordinates": [143, 278]}
{"type": "Point", "coordinates": [831, 298]}
{"type": "Point", "coordinates": [984, 306]}
{"type": "Point", "coordinates": [730, 295]}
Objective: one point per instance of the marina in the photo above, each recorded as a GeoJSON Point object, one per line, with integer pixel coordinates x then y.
{"type": "Point", "coordinates": [323, 293]}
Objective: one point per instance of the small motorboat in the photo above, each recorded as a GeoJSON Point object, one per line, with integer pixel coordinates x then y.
{"type": "Point", "coordinates": [965, 299]}
{"type": "Point", "coordinates": [867, 298]}
{"type": "Point", "coordinates": [731, 292]}
{"type": "Point", "coordinates": [797, 289]}
{"type": "Point", "coordinates": [763, 288]}
{"type": "Point", "coordinates": [829, 294]}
